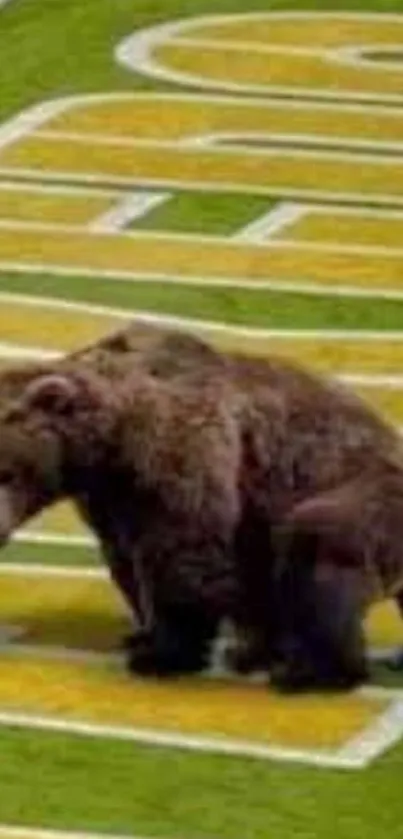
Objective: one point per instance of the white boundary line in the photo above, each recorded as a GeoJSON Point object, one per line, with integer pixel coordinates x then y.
{"type": "Point", "coordinates": [8, 350]}
{"type": "Point", "coordinates": [215, 745]}
{"type": "Point", "coordinates": [26, 832]}
{"type": "Point", "coordinates": [135, 53]}
{"type": "Point", "coordinates": [379, 737]}
{"type": "Point", "coordinates": [283, 215]}
{"type": "Point", "coordinates": [36, 569]}
{"type": "Point", "coordinates": [57, 189]}
{"type": "Point", "coordinates": [49, 538]}
{"type": "Point", "coordinates": [361, 212]}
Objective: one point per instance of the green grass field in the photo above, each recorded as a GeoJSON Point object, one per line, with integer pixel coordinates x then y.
{"type": "Point", "coordinates": [54, 48]}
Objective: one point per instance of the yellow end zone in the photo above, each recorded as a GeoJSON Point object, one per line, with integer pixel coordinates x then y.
{"type": "Point", "coordinates": [324, 31]}
{"type": "Point", "coordinates": [104, 694]}
{"type": "Point", "coordinates": [78, 612]}
{"type": "Point", "coordinates": [60, 519]}
{"type": "Point", "coordinates": [52, 328]}
{"type": "Point", "coordinates": [267, 70]}
{"type": "Point", "coordinates": [58, 206]}
{"type": "Point", "coordinates": [346, 228]}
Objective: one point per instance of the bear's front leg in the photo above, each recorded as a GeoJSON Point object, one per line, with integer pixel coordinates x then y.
{"type": "Point", "coordinates": [194, 586]}
{"type": "Point", "coordinates": [178, 644]}
{"type": "Point", "coordinates": [130, 577]}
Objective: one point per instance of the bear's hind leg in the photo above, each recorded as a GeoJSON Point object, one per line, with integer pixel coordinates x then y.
{"type": "Point", "coordinates": [321, 641]}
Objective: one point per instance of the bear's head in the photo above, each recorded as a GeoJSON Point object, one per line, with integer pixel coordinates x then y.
{"type": "Point", "coordinates": [59, 426]}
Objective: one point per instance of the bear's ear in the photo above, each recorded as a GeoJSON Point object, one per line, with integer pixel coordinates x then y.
{"type": "Point", "coordinates": [52, 392]}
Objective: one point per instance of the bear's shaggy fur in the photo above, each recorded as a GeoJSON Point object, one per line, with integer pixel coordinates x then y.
{"type": "Point", "coordinates": [188, 470]}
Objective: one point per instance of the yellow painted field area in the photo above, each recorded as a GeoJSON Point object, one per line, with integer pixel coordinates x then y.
{"type": "Point", "coordinates": [262, 172]}
{"type": "Point", "coordinates": [262, 52]}
{"type": "Point", "coordinates": [274, 68]}
{"type": "Point", "coordinates": [105, 694]}
{"type": "Point", "coordinates": [180, 117]}
{"type": "Point", "coordinates": [326, 354]}
{"type": "Point", "coordinates": [384, 626]}
{"type": "Point", "coordinates": [52, 328]}
{"type": "Point", "coordinates": [331, 30]}
{"type": "Point", "coordinates": [142, 254]}
{"type": "Point", "coordinates": [346, 228]}
{"type": "Point", "coordinates": [60, 207]}
{"type": "Point", "coordinates": [389, 401]}
{"type": "Point", "coordinates": [78, 612]}
{"type": "Point", "coordinates": [61, 518]}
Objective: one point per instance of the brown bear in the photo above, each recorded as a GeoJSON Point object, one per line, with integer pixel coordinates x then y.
{"type": "Point", "coordinates": [284, 436]}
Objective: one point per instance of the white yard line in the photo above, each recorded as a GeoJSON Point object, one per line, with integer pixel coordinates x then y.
{"type": "Point", "coordinates": [215, 745]}
{"type": "Point", "coordinates": [127, 210]}
{"type": "Point", "coordinates": [381, 380]}
{"type": "Point", "coordinates": [36, 569]}
{"type": "Point", "coordinates": [72, 541]}
{"type": "Point", "coordinates": [26, 832]}
{"type": "Point", "coordinates": [8, 350]}
{"type": "Point", "coordinates": [57, 189]}
{"type": "Point", "coordinates": [269, 224]}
